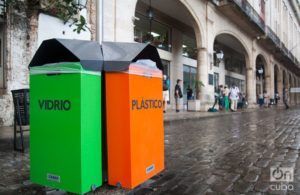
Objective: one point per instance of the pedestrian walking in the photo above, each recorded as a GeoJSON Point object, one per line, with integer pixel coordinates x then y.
{"type": "Point", "coordinates": [234, 97]}
{"type": "Point", "coordinates": [266, 99]}
{"type": "Point", "coordinates": [260, 100]}
{"type": "Point", "coordinates": [277, 98]}
{"type": "Point", "coordinates": [286, 98]}
{"type": "Point", "coordinates": [178, 94]}
{"type": "Point", "coordinates": [166, 95]}
{"type": "Point", "coordinates": [226, 98]}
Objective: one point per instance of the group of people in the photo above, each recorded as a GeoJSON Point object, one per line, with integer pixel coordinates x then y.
{"type": "Point", "coordinates": [264, 100]}
{"type": "Point", "coordinates": [226, 97]}
{"type": "Point", "coordinates": [229, 98]}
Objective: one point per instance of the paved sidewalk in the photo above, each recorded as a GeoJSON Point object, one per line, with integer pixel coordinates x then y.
{"type": "Point", "coordinates": [227, 153]}
{"type": "Point", "coordinates": [171, 115]}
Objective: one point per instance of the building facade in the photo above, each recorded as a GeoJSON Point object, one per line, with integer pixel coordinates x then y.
{"type": "Point", "coordinates": [259, 41]}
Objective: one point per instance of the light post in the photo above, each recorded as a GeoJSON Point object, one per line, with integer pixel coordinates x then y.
{"type": "Point", "coordinates": [220, 56]}
{"type": "Point", "coordinates": [150, 15]}
{"type": "Point", "coordinates": [80, 3]}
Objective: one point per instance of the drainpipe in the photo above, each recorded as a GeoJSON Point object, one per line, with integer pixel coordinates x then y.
{"type": "Point", "coordinates": [99, 26]}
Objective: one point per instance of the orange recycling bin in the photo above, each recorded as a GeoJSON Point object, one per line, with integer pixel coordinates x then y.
{"type": "Point", "coordinates": [134, 113]}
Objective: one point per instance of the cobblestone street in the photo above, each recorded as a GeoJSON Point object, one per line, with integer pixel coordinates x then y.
{"type": "Point", "coordinates": [230, 154]}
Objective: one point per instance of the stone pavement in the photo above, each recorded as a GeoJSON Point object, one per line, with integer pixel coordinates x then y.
{"type": "Point", "coordinates": [171, 115]}
{"type": "Point", "coordinates": [230, 154]}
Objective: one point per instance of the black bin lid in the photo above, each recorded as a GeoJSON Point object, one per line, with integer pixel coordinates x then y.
{"type": "Point", "coordinates": [88, 53]}
{"type": "Point", "coordinates": [119, 55]}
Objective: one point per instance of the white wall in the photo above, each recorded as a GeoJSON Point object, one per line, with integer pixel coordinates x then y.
{"type": "Point", "coordinates": [51, 27]}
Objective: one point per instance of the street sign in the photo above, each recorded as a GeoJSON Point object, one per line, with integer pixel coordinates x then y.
{"type": "Point", "coordinates": [295, 90]}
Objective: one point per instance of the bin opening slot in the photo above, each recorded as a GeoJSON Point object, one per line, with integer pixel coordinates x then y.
{"type": "Point", "coordinates": [53, 74]}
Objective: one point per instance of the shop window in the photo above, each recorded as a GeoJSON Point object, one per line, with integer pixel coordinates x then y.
{"type": "Point", "coordinates": [189, 80]}
{"type": "Point", "coordinates": [235, 64]}
{"type": "Point", "coordinates": [229, 81]}
{"type": "Point", "coordinates": [216, 81]}
{"type": "Point", "coordinates": [189, 47]}
{"type": "Point", "coordinates": [166, 71]}
{"type": "Point", "coordinates": [159, 35]}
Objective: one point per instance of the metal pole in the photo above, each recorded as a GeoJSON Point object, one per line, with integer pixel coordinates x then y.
{"type": "Point", "coordinates": [99, 33]}
{"type": "Point", "coordinates": [261, 84]}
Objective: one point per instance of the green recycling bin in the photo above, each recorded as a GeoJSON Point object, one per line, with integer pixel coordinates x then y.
{"type": "Point", "coordinates": [65, 115]}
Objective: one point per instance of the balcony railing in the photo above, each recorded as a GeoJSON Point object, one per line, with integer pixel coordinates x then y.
{"type": "Point", "coordinates": [2, 8]}
{"type": "Point", "coordinates": [246, 7]}
{"type": "Point", "coordinates": [284, 50]}
{"type": "Point", "coordinates": [271, 34]}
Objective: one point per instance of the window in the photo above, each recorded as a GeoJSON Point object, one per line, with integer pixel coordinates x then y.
{"type": "Point", "coordinates": [166, 67]}
{"type": "Point", "coordinates": [189, 80]}
{"type": "Point", "coordinates": [166, 71]}
{"type": "Point", "coordinates": [234, 64]}
{"type": "Point", "coordinates": [159, 35]}
{"type": "Point", "coordinates": [216, 81]}
{"type": "Point", "coordinates": [229, 81]}
{"type": "Point", "coordinates": [189, 48]}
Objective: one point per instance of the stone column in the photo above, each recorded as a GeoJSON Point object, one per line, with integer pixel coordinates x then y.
{"type": "Point", "coordinates": [202, 73]}
{"type": "Point", "coordinates": [269, 88]}
{"type": "Point", "coordinates": [272, 81]}
{"type": "Point", "coordinates": [287, 86]}
{"type": "Point", "coordinates": [292, 95]}
{"type": "Point", "coordinates": [297, 94]}
{"type": "Point", "coordinates": [280, 87]}
{"type": "Point", "coordinates": [251, 87]}
{"type": "Point", "coordinates": [176, 65]}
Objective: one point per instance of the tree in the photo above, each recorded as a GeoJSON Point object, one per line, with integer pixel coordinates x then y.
{"type": "Point", "coordinates": [66, 10]}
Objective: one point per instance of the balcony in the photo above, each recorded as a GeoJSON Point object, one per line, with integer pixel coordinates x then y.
{"type": "Point", "coordinates": [2, 10]}
{"type": "Point", "coordinates": [244, 15]}
{"type": "Point", "coordinates": [251, 13]}
{"type": "Point", "coordinates": [273, 37]}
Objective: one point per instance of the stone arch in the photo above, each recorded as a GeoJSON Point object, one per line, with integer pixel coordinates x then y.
{"type": "Point", "coordinates": [265, 63]}
{"type": "Point", "coordinates": [239, 39]}
{"type": "Point", "coordinates": [263, 76]}
{"type": "Point", "coordinates": [197, 26]}
{"type": "Point", "coordinates": [235, 62]}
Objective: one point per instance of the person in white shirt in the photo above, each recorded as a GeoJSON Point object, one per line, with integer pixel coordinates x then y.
{"type": "Point", "coordinates": [234, 97]}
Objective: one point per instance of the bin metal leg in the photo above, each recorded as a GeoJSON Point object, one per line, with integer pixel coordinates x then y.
{"type": "Point", "coordinates": [18, 121]}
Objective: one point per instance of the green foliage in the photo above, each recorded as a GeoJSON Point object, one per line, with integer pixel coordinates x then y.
{"type": "Point", "coordinates": [66, 10]}
{"type": "Point", "coordinates": [198, 85]}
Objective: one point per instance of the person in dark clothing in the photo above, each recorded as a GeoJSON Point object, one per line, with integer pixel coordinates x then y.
{"type": "Point", "coordinates": [189, 93]}
{"type": "Point", "coordinates": [286, 98]}
{"type": "Point", "coordinates": [178, 94]}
